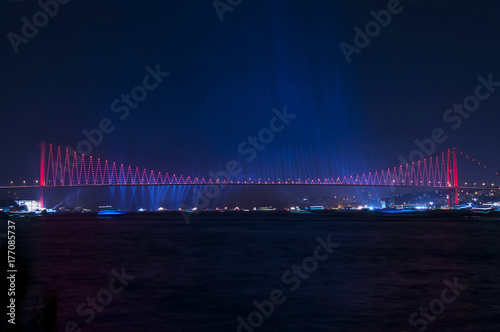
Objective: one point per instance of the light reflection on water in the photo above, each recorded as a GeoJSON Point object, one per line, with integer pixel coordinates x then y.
{"type": "Point", "coordinates": [202, 276]}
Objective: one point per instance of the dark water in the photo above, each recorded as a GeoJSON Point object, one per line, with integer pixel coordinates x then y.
{"type": "Point", "coordinates": [202, 276]}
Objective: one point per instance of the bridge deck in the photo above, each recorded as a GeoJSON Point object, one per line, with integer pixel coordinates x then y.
{"type": "Point", "coordinates": [244, 184]}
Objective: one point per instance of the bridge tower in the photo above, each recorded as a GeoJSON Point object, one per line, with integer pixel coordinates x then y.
{"type": "Point", "coordinates": [42, 172]}
{"type": "Point", "coordinates": [452, 176]}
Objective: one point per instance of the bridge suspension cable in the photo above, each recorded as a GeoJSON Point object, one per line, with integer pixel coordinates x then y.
{"type": "Point", "coordinates": [71, 169]}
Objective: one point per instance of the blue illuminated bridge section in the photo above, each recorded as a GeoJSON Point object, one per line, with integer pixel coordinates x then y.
{"type": "Point", "coordinates": [65, 169]}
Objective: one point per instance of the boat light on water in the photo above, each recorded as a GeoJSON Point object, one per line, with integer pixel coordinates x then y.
{"type": "Point", "coordinates": [109, 211]}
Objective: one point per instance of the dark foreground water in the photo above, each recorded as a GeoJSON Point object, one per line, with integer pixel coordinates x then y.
{"type": "Point", "coordinates": [169, 276]}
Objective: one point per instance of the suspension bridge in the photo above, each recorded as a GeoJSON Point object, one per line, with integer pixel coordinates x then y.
{"type": "Point", "coordinates": [60, 168]}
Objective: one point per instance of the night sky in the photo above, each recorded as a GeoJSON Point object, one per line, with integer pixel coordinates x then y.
{"type": "Point", "coordinates": [226, 77]}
